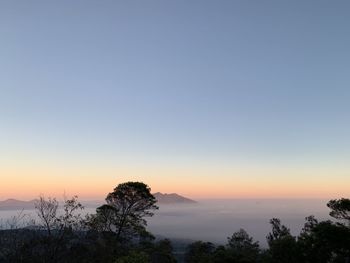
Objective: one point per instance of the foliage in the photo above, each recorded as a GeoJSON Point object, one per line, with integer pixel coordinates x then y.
{"type": "Point", "coordinates": [199, 252]}
{"type": "Point", "coordinates": [324, 242]}
{"type": "Point", "coordinates": [282, 245]}
{"type": "Point", "coordinates": [340, 209]}
{"type": "Point", "coordinates": [242, 248]}
{"type": "Point", "coordinates": [163, 252]}
{"type": "Point", "coordinates": [239, 249]}
{"type": "Point", "coordinates": [278, 232]}
{"type": "Point", "coordinates": [134, 257]}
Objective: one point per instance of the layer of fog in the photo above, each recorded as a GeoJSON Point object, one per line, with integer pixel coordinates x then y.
{"type": "Point", "coordinates": [215, 220]}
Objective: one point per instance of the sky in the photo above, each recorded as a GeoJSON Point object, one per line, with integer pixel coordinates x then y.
{"type": "Point", "coordinates": [209, 99]}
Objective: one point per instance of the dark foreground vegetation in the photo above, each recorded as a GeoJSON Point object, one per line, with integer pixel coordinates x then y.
{"type": "Point", "coordinates": [117, 233]}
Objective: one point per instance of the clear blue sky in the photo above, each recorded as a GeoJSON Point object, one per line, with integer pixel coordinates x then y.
{"type": "Point", "coordinates": [175, 81]}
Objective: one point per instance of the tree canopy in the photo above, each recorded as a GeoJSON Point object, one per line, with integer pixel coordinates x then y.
{"type": "Point", "coordinates": [340, 209]}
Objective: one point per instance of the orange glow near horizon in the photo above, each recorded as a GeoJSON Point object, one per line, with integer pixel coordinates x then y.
{"type": "Point", "coordinates": [27, 182]}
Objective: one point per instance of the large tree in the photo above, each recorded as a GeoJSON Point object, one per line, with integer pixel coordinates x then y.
{"type": "Point", "coordinates": [324, 242]}
{"type": "Point", "coordinates": [282, 245]}
{"type": "Point", "coordinates": [125, 210]}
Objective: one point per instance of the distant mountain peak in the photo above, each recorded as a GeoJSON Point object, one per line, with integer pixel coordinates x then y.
{"type": "Point", "coordinates": [172, 198]}
{"type": "Point", "coordinates": [11, 203]}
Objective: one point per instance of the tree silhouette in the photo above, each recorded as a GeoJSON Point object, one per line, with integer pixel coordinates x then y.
{"type": "Point", "coordinates": [199, 251]}
{"type": "Point", "coordinates": [242, 248]}
{"type": "Point", "coordinates": [125, 210]}
{"type": "Point", "coordinates": [46, 209]}
{"type": "Point", "coordinates": [282, 245]}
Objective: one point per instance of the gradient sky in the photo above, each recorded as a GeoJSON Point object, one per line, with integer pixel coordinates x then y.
{"type": "Point", "coordinates": [203, 98]}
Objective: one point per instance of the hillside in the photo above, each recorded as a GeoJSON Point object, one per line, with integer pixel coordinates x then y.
{"type": "Point", "coordinates": [13, 204]}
